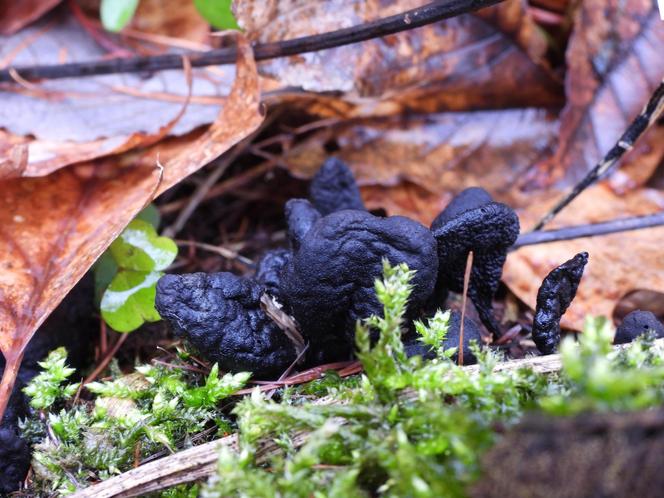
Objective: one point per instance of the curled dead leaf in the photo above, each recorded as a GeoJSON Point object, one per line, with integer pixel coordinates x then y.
{"type": "Point", "coordinates": [79, 120]}
{"type": "Point", "coordinates": [618, 264]}
{"type": "Point", "coordinates": [53, 228]}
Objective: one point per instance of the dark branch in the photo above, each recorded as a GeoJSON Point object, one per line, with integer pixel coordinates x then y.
{"type": "Point", "coordinates": [579, 231]}
{"type": "Point", "coordinates": [648, 116]}
{"type": "Point", "coordinates": [427, 14]}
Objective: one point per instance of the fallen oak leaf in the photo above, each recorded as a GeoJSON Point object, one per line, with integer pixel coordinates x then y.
{"type": "Point", "coordinates": [53, 228]}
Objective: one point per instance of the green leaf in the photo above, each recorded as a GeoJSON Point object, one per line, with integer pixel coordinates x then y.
{"type": "Point", "coordinates": [105, 268]}
{"type": "Point", "coordinates": [150, 214]}
{"type": "Point", "coordinates": [129, 300]}
{"type": "Point", "coordinates": [218, 13]}
{"type": "Point", "coordinates": [116, 14]}
{"type": "Point", "coordinates": [139, 248]}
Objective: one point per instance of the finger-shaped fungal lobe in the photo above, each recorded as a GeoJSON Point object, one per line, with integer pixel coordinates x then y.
{"type": "Point", "coordinates": [220, 314]}
{"type": "Point", "coordinates": [329, 284]}
{"type": "Point", "coordinates": [300, 217]}
{"type": "Point", "coordinates": [636, 324]}
{"type": "Point", "coordinates": [553, 298]}
{"type": "Point", "coordinates": [334, 188]}
{"type": "Point", "coordinates": [14, 457]}
{"type": "Point", "coordinates": [269, 269]}
{"type": "Point", "coordinates": [473, 222]}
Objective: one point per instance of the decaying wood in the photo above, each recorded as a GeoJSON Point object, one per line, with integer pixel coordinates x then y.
{"type": "Point", "coordinates": [611, 455]}
{"type": "Point", "coordinates": [199, 462]}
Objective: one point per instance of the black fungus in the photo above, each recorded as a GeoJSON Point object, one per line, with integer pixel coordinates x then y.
{"type": "Point", "coordinates": [221, 315]}
{"type": "Point", "coordinates": [636, 324]}
{"type": "Point", "coordinates": [269, 268]}
{"type": "Point", "coordinates": [553, 298]}
{"type": "Point", "coordinates": [329, 284]}
{"type": "Point", "coordinates": [471, 332]}
{"type": "Point", "coordinates": [300, 217]}
{"type": "Point", "coordinates": [333, 188]}
{"type": "Point", "coordinates": [473, 222]}
{"type": "Point", "coordinates": [15, 459]}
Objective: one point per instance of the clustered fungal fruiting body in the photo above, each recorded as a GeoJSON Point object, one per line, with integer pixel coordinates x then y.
{"type": "Point", "coordinates": [67, 326]}
{"type": "Point", "coordinates": [325, 280]}
{"type": "Point", "coordinates": [329, 284]}
{"type": "Point", "coordinates": [473, 222]}
{"type": "Point", "coordinates": [553, 298]}
{"type": "Point", "coordinates": [636, 324]}
{"type": "Point", "coordinates": [221, 315]}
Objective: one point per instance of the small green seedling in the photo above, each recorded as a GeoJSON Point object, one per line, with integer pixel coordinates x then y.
{"type": "Point", "coordinates": [218, 13]}
{"type": "Point", "coordinates": [128, 273]}
{"type": "Point", "coordinates": [116, 14]}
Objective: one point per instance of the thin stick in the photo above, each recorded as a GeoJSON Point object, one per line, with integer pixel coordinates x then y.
{"type": "Point", "coordinates": [222, 251]}
{"type": "Point", "coordinates": [648, 116]}
{"type": "Point", "coordinates": [202, 190]}
{"type": "Point", "coordinates": [464, 299]}
{"type": "Point", "coordinates": [590, 230]}
{"type": "Point", "coordinates": [427, 14]}
{"type": "Point", "coordinates": [105, 361]}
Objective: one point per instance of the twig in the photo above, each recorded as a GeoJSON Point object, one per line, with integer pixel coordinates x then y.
{"type": "Point", "coordinates": [466, 281]}
{"type": "Point", "coordinates": [198, 463]}
{"type": "Point", "coordinates": [222, 251]}
{"type": "Point", "coordinates": [201, 191]}
{"type": "Point", "coordinates": [415, 18]}
{"type": "Point", "coordinates": [223, 164]}
{"type": "Point", "coordinates": [222, 187]}
{"type": "Point", "coordinates": [96, 32]}
{"type": "Point", "coordinates": [648, 116]}
{"type": "Point", "coordinates": [104, 362]}
{"type": "Point", "coordinates": [590, 230]}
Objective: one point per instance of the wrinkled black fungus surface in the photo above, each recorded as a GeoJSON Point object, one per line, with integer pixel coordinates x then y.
{"type": "Point", "coordinates": [220, 314]}
{"type": "Point", "coordinates": [300, 217]}
{"type": "Point", "coordinates": [471, 332]}
{"type": "Point", "coordinates": [333, 188]}
{"type": "Point", "coordinates": [269, 268]}
{"type": "Point", "coordinates": [69, 326]}
{"type": "Point", "coordinates": [553, 298]}
{"type": "Point", "coordinates": [473, 222]}
{"type": "Point", "coordinates": [329, 284]}
{"type": "Point", "coordinates": [636, 324]}
{"type": "Point", "coordinates": [14, 458]}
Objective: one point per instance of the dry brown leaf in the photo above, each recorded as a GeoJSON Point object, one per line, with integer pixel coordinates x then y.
{"type": "Point", "coordinates": [53, 228]}
{"type": "Point", "coordinates": [512, 18]}
{"type": "Point", "coordinates": [618, 264]}
{"type": "Point", "coordinates": [172, 18]}
{"type": "Point", "coordinates": [458, 64]}
{"type": "Point", "coordinates": [614, 62]}
{"type": "Point", "coordinates": [69, 121]}
{"type": "Point", "coordinates": [14, 15]}
{"type": "Point", "coordinates": [440, 153]}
